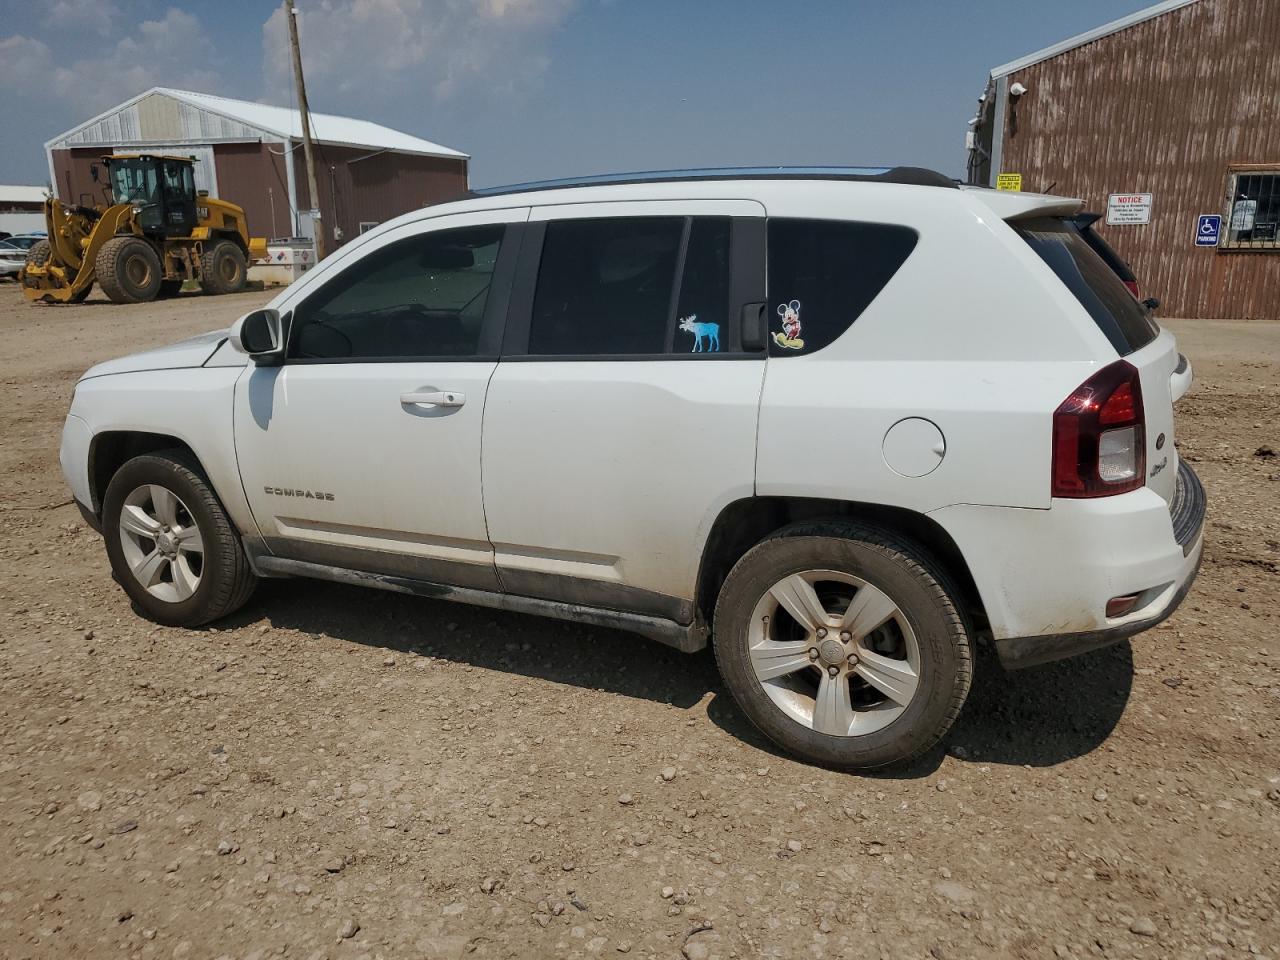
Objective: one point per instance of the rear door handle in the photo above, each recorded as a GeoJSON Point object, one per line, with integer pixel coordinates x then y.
{"type": "Point", "coordinates": [439, 398]}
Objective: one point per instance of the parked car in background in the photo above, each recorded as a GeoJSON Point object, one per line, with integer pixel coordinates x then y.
{"type": "Point", "coordinates": [796, 412]}
{"type": "Point", "coordinates": [25, 241]}
{"type": "Point", "coordinates": [12, 258]}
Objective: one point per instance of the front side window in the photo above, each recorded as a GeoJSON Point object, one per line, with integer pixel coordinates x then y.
{"type": "Point", "coordinates": [823, 274]}
{"type": "Point", "coordinates": [420, 297]}
{"type": "Point", "coordinates": [1253, 210]}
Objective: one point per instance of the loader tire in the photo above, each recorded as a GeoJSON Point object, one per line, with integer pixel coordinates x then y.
{"type": "Point", "coordinates": [128, 270]}
{"type": "Point", "coordinates": [39, 255]}
{"type": "Point", "coordinates": [223, 268]}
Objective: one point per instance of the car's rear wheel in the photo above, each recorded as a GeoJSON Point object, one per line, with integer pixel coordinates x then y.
{"type": "Point", "coordinates": [845, 645]}
{"type": "Point", "coordinates": [171, 545]}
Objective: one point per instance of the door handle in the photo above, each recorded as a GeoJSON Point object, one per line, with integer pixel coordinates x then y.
{"type": "Point", "coordinates": [439, 398]}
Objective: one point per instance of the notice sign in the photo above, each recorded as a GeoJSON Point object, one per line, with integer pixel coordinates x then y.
{"type": "Point", "coordinates": [1009, 181]}
{"type": "Point", "coordinates": [1125, 208]}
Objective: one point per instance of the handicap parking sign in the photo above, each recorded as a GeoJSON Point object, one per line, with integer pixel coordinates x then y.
{"type": "Point", "coordinates": [1208, 230]}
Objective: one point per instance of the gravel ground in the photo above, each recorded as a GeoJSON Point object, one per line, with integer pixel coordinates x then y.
{"type": "Point", "coordinates": [343, 773]}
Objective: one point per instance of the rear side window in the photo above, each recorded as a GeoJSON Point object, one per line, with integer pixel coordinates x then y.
{"type": "Point", "coordinates": [1120, 317]}
{"type": "Point", "coordinates": [823, 274]}
{"type": "Point", "coordinates": [604, 286]}
{"type": "Point", "coordinates": [632, 286]}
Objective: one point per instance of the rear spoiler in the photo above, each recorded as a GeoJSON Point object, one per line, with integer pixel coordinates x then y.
{"type": "Point", "coordinates": [1013, 205]}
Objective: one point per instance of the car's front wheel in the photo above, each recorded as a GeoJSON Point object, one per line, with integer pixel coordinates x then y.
{"type": "Point", "coordinates": [171, 545]}
{"type": "Point", "coordinates": [844, 645]}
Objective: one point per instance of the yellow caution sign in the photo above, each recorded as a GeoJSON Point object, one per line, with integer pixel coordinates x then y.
{"type": "Point", "coordinates": [1009, 181]}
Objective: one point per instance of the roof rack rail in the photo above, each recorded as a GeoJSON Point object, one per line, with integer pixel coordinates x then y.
{"type": "Point", "coordinates": [914, 176]}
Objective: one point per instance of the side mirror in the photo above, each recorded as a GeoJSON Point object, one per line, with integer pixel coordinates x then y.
{"type": "Point", "coordinates": [1151, 303]}
{"type": "Point", "coordinates": [261, 335]}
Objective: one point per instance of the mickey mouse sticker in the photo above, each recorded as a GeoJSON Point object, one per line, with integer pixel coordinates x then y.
{"type": "Point", "coordinates": [790, 335]}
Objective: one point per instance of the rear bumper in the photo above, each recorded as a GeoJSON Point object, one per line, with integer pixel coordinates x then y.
{"type": "Point", "coordinates": [1018, 652]}
{"type": "Point", "coordinates": [1045, 576]}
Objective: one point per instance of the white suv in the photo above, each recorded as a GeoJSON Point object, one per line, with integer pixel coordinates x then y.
{"type": "Point", "coordinates": [839, 421]}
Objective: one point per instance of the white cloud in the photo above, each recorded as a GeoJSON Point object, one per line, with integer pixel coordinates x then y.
{"type": "Point", "coordinates": [100, 16]}
{"type": "Point", "coordinates": [23, 61]}
{"type": "Point", "coordinates": [352, 48]}
{"type": "Point", "coordinates": [157, 52]}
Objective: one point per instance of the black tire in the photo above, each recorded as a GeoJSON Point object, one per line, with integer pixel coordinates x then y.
{"type": "Point", "coordinates": [128, 270]}
{"type": "Point", "coordinates": [225, 580]}
{"type": "Point", "coordinates": [223, 268]}
{"type": "Point", "coordinates": [39, 253]}
{"type": "Point", "coordinates": [170, 288]}
{"type": "Point", "coordinates": [912, 580]}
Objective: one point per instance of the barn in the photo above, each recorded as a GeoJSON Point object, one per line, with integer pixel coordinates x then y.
{"type": "Point", "coordinates": [250, 154]}
{"type": "Point", "coordinates": [1166, 121]}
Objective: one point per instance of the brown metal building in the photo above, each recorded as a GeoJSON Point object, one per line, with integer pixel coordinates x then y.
{"type": "Point", "coordinates": [1181, 102]}
{"type": "Point", "coordinates": [250, 154]}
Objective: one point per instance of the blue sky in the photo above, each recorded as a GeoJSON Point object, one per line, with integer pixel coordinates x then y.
{"type": "Point", "coordinates": [542, 88]}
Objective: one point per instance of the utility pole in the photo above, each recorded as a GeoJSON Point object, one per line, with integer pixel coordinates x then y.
{"type": "Point", "coordinates": [290, 12]}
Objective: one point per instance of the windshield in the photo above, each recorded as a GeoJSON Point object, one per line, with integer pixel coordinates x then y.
{"type": "Point", "coordinates": [133, 181]}
{"type": "Point", "coordinates": [1123, 320]}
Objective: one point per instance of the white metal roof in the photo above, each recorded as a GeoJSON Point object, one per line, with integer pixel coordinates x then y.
{"type": "Point", "coordinates": [1115, 26]}
{"type": "Point", "coordinates": [282, 122]}
{"type": "Point", "coordinates": [19, 194]}
{"type": "Point", "coordinates": [325, 127]}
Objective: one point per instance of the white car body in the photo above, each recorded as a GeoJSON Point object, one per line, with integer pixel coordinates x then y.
{"type": "Point", "coordinates": [595, 488]}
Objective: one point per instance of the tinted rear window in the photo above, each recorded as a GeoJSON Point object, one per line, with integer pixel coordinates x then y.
{"type": "Point", "coordinates": [823, 274]}
{"type": "Point", "coordinates": [1119, 316]}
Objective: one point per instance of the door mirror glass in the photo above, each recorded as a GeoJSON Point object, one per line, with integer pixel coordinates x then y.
{"type": "Point", "coordinates": [260, 334]}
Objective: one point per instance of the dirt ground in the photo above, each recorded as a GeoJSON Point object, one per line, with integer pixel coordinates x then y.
{"type": "Point", "coordinates": [343, 773]}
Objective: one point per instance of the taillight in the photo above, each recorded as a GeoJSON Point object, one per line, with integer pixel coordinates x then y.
{"type": "Point", "coordinates": [1133, 288]}
{"type": "Point", "coordinates": [1099, 444]}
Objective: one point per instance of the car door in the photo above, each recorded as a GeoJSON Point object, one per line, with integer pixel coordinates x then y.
{"type": "Point", "coordinates": [362, 450]}
{"type": "Point", "coordinates": [622, 417]}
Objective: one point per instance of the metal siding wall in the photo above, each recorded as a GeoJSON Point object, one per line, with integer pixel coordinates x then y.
{"type": "Point", "coordinates": [72, 177]}
{"type": "Point", "coordinates": [159, 118]}
{"type": "Point", "coordinates": [378, 188]}
{"type": "Point", "coordinates": [255, 179]}
{"type": "Point", "coordinates": [1164, 107]}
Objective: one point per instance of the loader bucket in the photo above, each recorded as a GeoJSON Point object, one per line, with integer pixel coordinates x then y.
{"type": "Point", "coordinates": [67, 275]}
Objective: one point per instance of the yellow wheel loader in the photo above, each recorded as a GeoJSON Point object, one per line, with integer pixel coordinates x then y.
{"type": "Point", "coordinates": [155, 233]}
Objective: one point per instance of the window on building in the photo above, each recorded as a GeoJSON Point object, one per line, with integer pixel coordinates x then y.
{"type": "Point", "coordinates": [367, 225]}
{"type": "Point", "coordinates": [823, 274]}
{"type": "Point", "coordinates": [1253, 210]}
{"type": "Point", "coordinates": [420, 297]}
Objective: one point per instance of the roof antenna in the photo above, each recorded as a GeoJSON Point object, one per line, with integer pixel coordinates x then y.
{"type": "Point", "coordinates": [1049, 188]}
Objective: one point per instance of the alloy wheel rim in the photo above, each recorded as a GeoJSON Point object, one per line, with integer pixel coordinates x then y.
{"type": "Point", "coordinates": [162, 544]}
{"type": "Point", "coordinates": [834, 652]}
